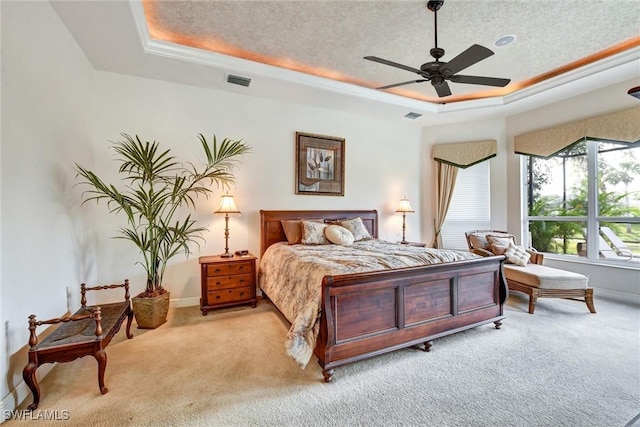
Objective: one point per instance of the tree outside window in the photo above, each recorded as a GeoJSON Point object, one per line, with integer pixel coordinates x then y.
{"type": "Point", "coordinates": [585, 201]}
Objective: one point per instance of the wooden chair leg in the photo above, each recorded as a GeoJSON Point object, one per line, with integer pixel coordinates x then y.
{"type": "Point", "coordinates": [588, 298]}
{"type": "Point", "coordinates": [533, 300]}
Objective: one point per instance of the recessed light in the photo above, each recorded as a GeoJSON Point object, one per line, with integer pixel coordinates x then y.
{"type": "Point", "coordinates": [505, 40]}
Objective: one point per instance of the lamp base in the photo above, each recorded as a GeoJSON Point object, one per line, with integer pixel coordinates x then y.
{"type": "Point", "coordinates": [404, 242]}
{"type": "Point", "coordinates": [226, 255]}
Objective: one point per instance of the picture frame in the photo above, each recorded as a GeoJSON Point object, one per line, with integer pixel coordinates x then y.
{"type": "Point", "coordinates": [319, 164]}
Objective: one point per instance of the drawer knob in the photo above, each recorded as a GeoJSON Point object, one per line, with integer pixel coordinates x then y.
{"type": "Point", "coordinates": [217, 270]}
{"type": "Point", "coordinates": [241, 280]}
{"type": "Point", "coordinates": [241, 267]}
{"type": "Point", "coordinates": [241, 293]}
{"type": "Point", "coordinates": [217, 296]}
{"type": "Point", "coordinates": [218, 283]}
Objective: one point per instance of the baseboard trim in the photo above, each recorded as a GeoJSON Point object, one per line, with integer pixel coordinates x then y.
{"type": "Point", "coordinates": [184, 302]}
{"type": "Point", "coordinates": [617, 296]}
{"type": "Point", "coordinates": [21, 392]}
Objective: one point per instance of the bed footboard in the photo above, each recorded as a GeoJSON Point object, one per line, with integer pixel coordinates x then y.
{"type": "Point", "coordinates": [364, 315]}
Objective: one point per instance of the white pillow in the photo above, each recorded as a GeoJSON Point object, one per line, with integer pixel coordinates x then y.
{"type": "Point", "coordinates": [339, 235]}
{"type": "Point", "coordinates": [357, 228]}
{"type": "Point", "coordinates": [517, 255]}
{"type": "Point", "coordinates": [313, 233]}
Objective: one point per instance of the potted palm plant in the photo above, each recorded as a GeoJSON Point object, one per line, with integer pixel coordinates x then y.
{"type": "Point", "coordinates": [157, 196]}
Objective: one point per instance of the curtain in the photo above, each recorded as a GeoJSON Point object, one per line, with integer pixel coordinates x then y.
{"type": "Point", "coordinates": [447, 174]}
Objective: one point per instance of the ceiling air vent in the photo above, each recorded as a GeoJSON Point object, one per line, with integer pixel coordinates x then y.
{"type": "Point", "coordinates": [412, 116]}
{"type": "Point", "coordinates": [237, 80]}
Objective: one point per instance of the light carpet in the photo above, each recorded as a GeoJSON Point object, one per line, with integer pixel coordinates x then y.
{"type": "Point", "coordinates": [561, 366]}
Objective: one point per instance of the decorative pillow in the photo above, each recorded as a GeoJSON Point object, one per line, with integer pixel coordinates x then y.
{"type": "Point", "coordinates": [499, 244]}
{"type": "Point", "coordinates": [478, 239]}
{"type": "Point", "coordinates": [339, 235]}
{"type": "Point", "coordinates": [517, 255]}
{"type": "Point", "coordinates": [293, 229]}
{"type": "Point", "coordinates": [357, 228]}
{"type": "Point", "coordinates": [313, 233]}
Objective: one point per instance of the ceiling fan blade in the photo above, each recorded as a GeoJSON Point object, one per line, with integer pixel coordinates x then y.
{"type": "Point", "coordinates": [474, 54]}
{"type": "Point", "coordinates": [477, 80]}
{"type": "Point", "coordinates": [402, 84]}
{"type": "Point", "coordinates": [442, 89]}
{"type": "Point", "coordinates": [393, 64]}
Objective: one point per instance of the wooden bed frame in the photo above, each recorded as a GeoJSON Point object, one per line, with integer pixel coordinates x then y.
{"type": "Point", "coordinates": [368, 314]}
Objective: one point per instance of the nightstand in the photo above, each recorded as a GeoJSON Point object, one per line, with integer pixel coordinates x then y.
{"type": "Point", "coordinates": [227, 282]}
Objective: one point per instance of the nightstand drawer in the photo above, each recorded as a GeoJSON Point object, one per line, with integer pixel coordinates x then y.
{"type": "Point", "coordinates": [221, 269]}
{"type": "Point", "coordinates": [235, 281]}
{"type": "Point", "coordinates": [229, 295]}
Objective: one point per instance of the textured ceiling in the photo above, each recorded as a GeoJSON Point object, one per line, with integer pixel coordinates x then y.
{"type": "Point", "coordinates": [330, 38]}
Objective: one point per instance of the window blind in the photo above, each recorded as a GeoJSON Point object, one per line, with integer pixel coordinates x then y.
{"type": "Point", "coordinates": [470, 207]}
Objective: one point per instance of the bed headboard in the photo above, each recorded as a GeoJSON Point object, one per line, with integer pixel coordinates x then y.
{"type": "Point", "coordinates": [271, 230]}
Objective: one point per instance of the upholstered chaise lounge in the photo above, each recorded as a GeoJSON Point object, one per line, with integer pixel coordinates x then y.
{"type": "Point", "coordinates": [524, 271]}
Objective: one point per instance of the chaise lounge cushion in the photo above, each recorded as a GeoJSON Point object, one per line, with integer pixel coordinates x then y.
{"type": "Point", "coordinates": [540, 276]}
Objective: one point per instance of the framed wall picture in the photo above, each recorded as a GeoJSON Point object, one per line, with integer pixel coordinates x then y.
{"type": "Point", "coordinates": [319, 165]}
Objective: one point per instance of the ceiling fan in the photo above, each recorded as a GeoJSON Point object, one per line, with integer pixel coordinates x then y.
{"type": "Point", "coordinates": [438, 72]}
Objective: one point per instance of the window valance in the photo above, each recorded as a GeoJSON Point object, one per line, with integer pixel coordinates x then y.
{"type": "Point", "coordinates": [464, 154]}
{"type": "Point", "coordinates": [622, 126]}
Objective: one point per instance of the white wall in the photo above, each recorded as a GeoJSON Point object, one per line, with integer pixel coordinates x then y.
{"type": "Point", "coordinates": [45, 89]}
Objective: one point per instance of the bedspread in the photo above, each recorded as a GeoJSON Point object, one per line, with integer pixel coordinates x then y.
{"type": "Point", "coordinates": [291, 276]}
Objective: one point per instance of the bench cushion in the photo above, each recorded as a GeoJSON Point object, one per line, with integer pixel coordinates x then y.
{"type": "Point", "coordinates": [540, 276]}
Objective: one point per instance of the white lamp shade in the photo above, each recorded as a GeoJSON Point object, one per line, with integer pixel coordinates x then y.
{"type": "Point", "coordinates": [227, 205]}
{"type": "Point", "coordinates": [404, 206]}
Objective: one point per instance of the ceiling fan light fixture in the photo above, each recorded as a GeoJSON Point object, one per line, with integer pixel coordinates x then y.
{"type": "Point", "coordinates": [505, 40]}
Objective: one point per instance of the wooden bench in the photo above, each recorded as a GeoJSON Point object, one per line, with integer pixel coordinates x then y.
{"type": "Point", "coordinates": [87, 332]}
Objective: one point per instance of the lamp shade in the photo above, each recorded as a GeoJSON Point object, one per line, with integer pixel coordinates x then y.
{"type": "Point", "coordinates": [404, 206]}
{"type": "Point", "coordinates": [227, 205]}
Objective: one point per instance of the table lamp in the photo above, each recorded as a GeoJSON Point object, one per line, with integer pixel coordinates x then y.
{"type": "Point", "coordinates": [404, 207]}
{"type": "Point", "coordinates": [227, 206]}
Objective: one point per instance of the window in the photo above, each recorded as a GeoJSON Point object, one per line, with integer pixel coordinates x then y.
{"type": "Point", "coordinates": [469, 208]}
{"type": "Point", "coordinates": [585, 202]}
